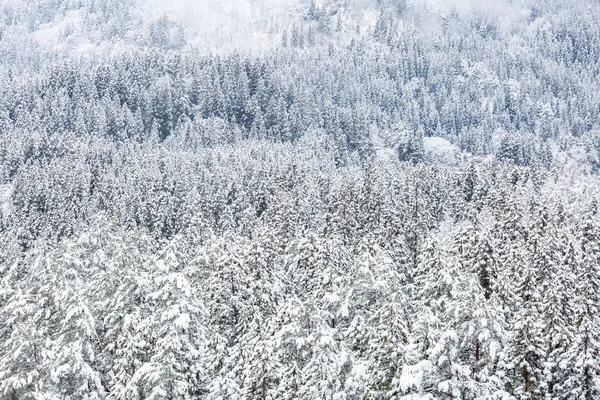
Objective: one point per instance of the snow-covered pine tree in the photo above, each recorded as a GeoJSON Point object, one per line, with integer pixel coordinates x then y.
{"type": "Point", "coordinates": [583, 355]}
{"type": "Point", "coordinates": [477, 310]}
{"type": "Point", "coordinates": [174, 328]}
{"type": "Point", "coordinates": [558, 315]}
{"type": "Point", "coordinates": [524, 353]}
{"type": "Point", "coordinates": [433, 355]}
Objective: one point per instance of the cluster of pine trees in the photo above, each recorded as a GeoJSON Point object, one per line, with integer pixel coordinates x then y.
{"type": "Point", "coordinates": [464, 85]}
{"type": "Point", "coordinates": [390, 281]}
{"type": "Point", "coordinates": [176, 225]}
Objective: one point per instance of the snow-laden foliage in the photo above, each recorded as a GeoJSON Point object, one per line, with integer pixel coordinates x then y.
{"type": "Point", "coordinates": [392, 200]}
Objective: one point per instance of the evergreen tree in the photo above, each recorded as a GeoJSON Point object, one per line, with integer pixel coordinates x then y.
{"type": "Point", "coordinates": [583, 354]}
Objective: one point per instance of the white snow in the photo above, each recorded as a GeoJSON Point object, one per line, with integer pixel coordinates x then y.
{"type": "Point", "coordinates": [440, 150]}
{"type": "Point", "coordinates": [412, 375]}
{"type": "Point", "coordinates": [5, 193]}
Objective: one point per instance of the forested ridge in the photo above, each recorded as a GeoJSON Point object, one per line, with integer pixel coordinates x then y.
{"type": "Point", "coordinates": [402, 210]}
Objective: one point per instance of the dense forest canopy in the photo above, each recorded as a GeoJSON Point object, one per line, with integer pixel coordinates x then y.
{"type": "Point", "coordinates": [331, 199]}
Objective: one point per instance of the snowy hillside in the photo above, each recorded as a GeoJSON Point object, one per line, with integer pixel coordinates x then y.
{"type": "Point", "coordinates": [81, 28]}
{"type": "Point", "coordinates": [301, 199]}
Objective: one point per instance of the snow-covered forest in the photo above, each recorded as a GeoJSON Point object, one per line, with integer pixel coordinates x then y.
{"type": "Point", "coordinates": [320, 200]}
